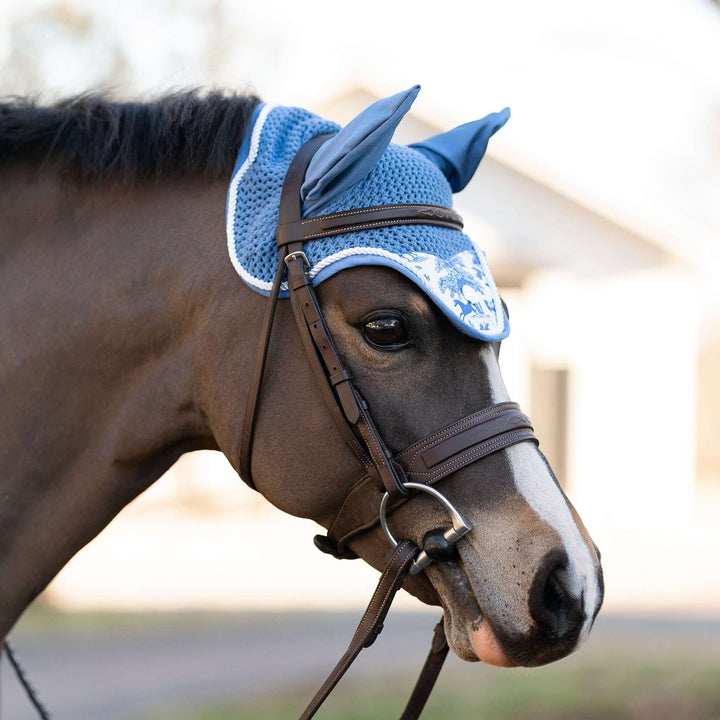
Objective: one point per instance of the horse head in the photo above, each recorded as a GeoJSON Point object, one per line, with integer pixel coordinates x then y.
{"type": "Point", "coordinates": [414, 314]}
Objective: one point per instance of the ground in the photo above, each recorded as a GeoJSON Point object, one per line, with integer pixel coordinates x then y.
{"type": "Point", "coordinates": [265, 666]}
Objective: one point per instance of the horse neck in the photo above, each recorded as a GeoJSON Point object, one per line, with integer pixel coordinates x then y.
{"type": "Point", "coordinates": [106, 350]}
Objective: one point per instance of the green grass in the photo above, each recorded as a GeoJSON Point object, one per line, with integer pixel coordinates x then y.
{"type": "Point", "coordinates": [605, 687]}
{"type": "Point", "coordinates": [647, 674]}
{"type": "Point", "coordinates": [46, 621]}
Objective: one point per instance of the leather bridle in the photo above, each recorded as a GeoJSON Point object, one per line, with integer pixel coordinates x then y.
{"type": "Point", "coordinates": [388, 480]}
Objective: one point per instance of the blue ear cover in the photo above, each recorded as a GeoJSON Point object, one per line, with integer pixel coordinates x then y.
{"type": "Point", "coordinates": [349, 156]}
{"type": "Point", "coordinates": [458, 152]}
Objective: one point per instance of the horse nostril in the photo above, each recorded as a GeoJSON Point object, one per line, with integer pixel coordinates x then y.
{"type": "Point", "coordinates": [438, 548]}
{"type": "Point", "coordinates": [552, 606]}
{"type": "Point", "coordinates": [554, 597]}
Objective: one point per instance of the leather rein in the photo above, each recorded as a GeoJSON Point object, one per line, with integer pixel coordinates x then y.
{"type": "Point", "coordinates": [388, 480]}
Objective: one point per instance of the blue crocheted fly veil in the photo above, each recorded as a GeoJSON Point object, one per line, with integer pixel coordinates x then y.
{"type": "Point", "coordinates": [360, 168]}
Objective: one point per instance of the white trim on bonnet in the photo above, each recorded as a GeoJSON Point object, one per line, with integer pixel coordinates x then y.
{"type": "Point", "coordinates": [349, 252]}
{"type": "Point", "coordinates": [318, 267]}
{"type": "Point", "coordinates": [329, 260]}
{"type": "Point", "coordinates": [232, 198]}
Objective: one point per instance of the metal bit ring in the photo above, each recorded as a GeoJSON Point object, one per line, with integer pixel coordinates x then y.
{"type": "Point", "coordinates": [460, 526]}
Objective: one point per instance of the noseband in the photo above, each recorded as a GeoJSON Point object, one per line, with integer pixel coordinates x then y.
{"type": "Point", "coordinates": [388, 480]}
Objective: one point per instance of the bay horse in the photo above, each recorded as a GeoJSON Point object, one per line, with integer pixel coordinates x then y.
{"type": "Point", "coordinates": [127, 338]}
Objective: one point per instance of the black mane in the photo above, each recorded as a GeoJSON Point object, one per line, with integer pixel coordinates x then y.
{"type": "Point", "coordinates": [179, 134]}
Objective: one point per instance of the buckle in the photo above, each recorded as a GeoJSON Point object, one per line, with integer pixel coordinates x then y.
{"type": "Point", "coordinates": [460, 526]}
{"type": "Point", "coordinates": [326, 545]}
{"type": "Point", "coordinates": [295, 255]}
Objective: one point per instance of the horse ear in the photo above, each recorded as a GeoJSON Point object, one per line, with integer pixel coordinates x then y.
{"type": "Point", "coordinates": [349, 157]}
{"type": "Point", "coordinates": [458, 152]}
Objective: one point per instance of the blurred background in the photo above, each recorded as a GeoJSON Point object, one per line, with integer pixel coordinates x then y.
{"type": "Point", "coordinates": [599, 208]}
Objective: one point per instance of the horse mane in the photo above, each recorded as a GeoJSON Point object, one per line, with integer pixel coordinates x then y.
{"type": "Point", "coordinates": [178, 134]}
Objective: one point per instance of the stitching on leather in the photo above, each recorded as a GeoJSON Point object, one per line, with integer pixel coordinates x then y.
{"type": "Point", "coordinates": [485, 414]}
{"type": "Point", "coordinates": [432, 477]}
{"type": "Point", "coordinates": [353, 650]}
{"type": "Point", "coordinates": [484, 449]}
{"type": "Point", "coordinates": [323, 334]}
{"type": "Point", "coordinates": [392, 589]}
{"type": "Point", "coordinates": [374, 208]}
{"type": "Point", "coordinates": [400, 551]}
{"type": "Point", "coordinates": [459, 426]}
{"type": "Point", "coordinates": [374, 440]}
{"type": "Point", "coordinates": [358, 486]}
{"type": "Point", "coordinates": [502, 433]}
{"type": "Point", "coordinates": [380, 223]}
{"type": "Point", "coordinates": [359, 454]}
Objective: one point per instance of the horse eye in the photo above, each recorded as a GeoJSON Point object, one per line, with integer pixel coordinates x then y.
{"type": "Point", "coordinates": [386, 333]}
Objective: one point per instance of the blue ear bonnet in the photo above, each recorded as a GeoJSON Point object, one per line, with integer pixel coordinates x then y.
{"type": "Point", "coordinates": [443, 262]}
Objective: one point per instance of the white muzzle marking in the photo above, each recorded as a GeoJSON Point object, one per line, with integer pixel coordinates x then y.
{"type": "Point", "coordinates": [535, 483]}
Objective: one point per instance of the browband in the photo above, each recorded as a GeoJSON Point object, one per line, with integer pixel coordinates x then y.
{"type": "Point", "coordinates": [368, 218]}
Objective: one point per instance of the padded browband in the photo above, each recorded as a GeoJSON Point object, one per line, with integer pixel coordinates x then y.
{"type": "Point", "coordinates": [427, 461]}
{"type": "Point", "coordinates": [367, 219]}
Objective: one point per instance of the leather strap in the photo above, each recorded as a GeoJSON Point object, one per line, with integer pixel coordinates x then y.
{"type": "Point", "coordinates": [23, 680]}
{"type": "Point", "coordinates": [366, 219]}
{"type": "Point", "coordinates": [372, 621]}
{"type": "Point", "coordinates": [314, 332]}
{"type": "Point", "coordinates": [289, 204]}
{"type": "Point", "coordinates": [428, 675]}
{"type": "Point", "coordinates": [253, 399]}
{"type": "Point", "coordinates": [312, 326]}
{"type": "Point", "coordinates": [475, 436]}
{"type": "Point", "coordinates": [340, 400]}
{"type": "Point", "coordinates": [356, 412]}
{"type": "Point", "coordinates": [428, 461]}
{"type": "Point", "coordinates": [371, 626]}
